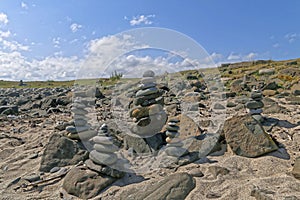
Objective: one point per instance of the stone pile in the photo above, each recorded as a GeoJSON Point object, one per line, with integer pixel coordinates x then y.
{"type": "Point", "coordinates": [174, 147]}
{"type": "Point", "coordinates": [81, 129]}
{"type": "Point", "coordinates": [147, 112]}
{"type": "Point", "coordinates": [103, 152]}
{"type": "Point", "coordinates": [103, 157]}
{"type": "Point", "coordinates": [255, 105]}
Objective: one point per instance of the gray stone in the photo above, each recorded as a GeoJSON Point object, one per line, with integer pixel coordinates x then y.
{"type": "Point", "coordinates": [172, 128]}
{"type": "Point", "coordinates": [254, 104]}
{"type": "Point", "coordinates": [105, 148]}
{"type": "Point", "coordinates": [102, 140]}
{"type": "Point", "coordinates": [143, 145]}
{"type": "Point", "coordinates": [296, 168]}
{"type": "Point", "coordinates": [71, 129]}
{"type": "Point", "coordinates": [61, 151]}
{"type": "Point", "coordinates": [84, 183]}
{"type": "Point", "coordinates": [175, 186]}
{"type": "Point", "coordinates": [32, 178]}
{"type": "Point", "coordinates": [103, 169]}
{"type": "Point", "coordinates": [149, 73]}
{"type": "Point", "coordinates": [258, 118]}
{"type": "Point", "coordinates": [78, 111]}
{"type": "Point", "coordinates": [175, 151]}
{"type": "Point", "coordinates": [103, 158]}
{"type": "Point", "coordinates": [172, 134]}
{"type": "Point", "coordinates": [146, 92]}
{"type": "Point", "coordinates": [266, 71]}
{"type": "Point", "coordinates": [88, 134]}
{"type": "Point", "coordinates": [255, 111]}
{"type": "Point", "coordinates": [246, 137]}
{"type": "Point", "coordinates": [146, 80]}
{"type": "Point", "coordinates": [80, 122]}
{"type": "Point", "coordinates": [146, 86]}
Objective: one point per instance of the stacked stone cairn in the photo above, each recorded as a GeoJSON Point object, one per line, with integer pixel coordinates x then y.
{"type": "Point", "coordinates": [174, 148]}
{"type": "Point", "coordinates": [103, 152]}
{"type": "Point", "coordinates": [147, 112]}
{"type": "Point", "coordinates": [255, 105]}
{"type": "Point", "coordinates": [80, 128]}
{"type": "Point", "coordinates": [103, 158]}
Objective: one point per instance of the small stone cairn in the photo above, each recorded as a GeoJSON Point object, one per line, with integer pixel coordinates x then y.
{"type": "Point", "coordinates": [103, 152]}
{"type": "Point", "coordinates": [174, 147]}
{"type": "Point", "coordinates": [80, 128]}
{"type": "Point", "coordinates": [255, 105]}
{"type": "Point", "coordinates": [147, 112]}
{"type": "Point", "coordinates": [103, 157]}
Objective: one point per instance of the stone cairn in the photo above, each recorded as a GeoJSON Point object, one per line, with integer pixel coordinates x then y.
{"type": "Point", "coordinates": [103, 158]}
{"type": "Point", "coordinates": [174, 147]}
{"type": "Point", "coordinates": [255, 105]}
{"type": "Point", "coordinates": [147, 112]}
{"type": "Point", "coordinates": [79, 127]}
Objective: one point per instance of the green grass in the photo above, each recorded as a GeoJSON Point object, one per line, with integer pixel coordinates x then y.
{"type": "Point", "coordinates": [36, 84]}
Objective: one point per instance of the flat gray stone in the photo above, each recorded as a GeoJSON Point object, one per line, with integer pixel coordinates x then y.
{"type": "Point", "coordinates": [103, 158]}
{"type": "Point", "coordinates": [105, 148]}
{"type": "Point", "coordinates": [146, 92]}
{"type": "Point", "coordinates": [102, 140]}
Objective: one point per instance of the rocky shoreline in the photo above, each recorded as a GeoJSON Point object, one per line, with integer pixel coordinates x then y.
{"type": "Point", "coordinates": [70, 143]}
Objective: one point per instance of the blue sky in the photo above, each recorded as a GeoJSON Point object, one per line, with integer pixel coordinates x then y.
{"type": "Point", "coordinates": [39, 37]}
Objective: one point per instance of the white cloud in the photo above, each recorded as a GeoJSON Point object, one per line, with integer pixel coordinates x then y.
{"type": "Point", "coordinates": [141, 19]}
{"type": "Point", "coordinates": [4, 34]}
{"type": "Point", "coordinates": [233, 56]}
{"type": "Point", "coordinates": [291, 37]}
{"type": "Point", "coordinates": [75, 27]}
{"type": "Point", "coordinates": [251, 56]}
{"type": "Point", "coordinates": [24, 5]}
{"type": "Point", "coordinates": [3, 18]}
{"type": "Point", "coordinates": [56, 42]}
{"type": "Point", "coordinates": [13, 46]}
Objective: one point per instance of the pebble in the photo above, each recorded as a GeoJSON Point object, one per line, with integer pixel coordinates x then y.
{"type": "Point", "coordinates": [54, 169]}
{"type": "Point", "coordinates": [33, 156]}
{"type": "Point", "coordinates": [32, 178]}
{"type": "Point", "coordinates": [146, 92]}
{"type": "Point", "coordinates": [254, 104]}
{"type": "Point", "coordinates": [172, 128]}
{"type": "Point", "coordinates": [102, 140]}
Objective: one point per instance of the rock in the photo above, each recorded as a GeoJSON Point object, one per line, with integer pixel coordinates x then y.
{"type": "Point", "coordinates": [32, 178]}
{"type": "Point", "coordinates": [188, 127]}
{"type": "Point", "coordinates": [196, 172]}
{"type": "Point", "coordinates": [54, 169]}
{"type": "Point", "coordinates": [106, 148]}
{"type": "Point", "coordinates": [106, 170]}
{"type": "Point", "coordinates": [254, 104]}
{"type": "Point", "coordinates": [269, 93]}
{"type": "Point", "coordinates": [246, 137]}
{"type": "Point", "coordinates": [148, 73]}
{"type": "Point", "coordinates": [296, 168]}
{"type": "Point", "coordinates": [103, 158]}
{"type": "Point", "coordinates": [102, 140]}
{"type": "Point", "coordinates": [271, 86]}
{"type": "Point", "coordinates": [266, 71]}
{"type": "Point", "coordinates": [230, 104]}
{"type": "Point", "coordinates": [295, 89]}
{"type": "Point", "coordinates": [9, 110]}
{"type": "Point", "coordinates": [143, 145]}
{"type": "Point", "coordinates": [219, 106]}
{"type": "Point", "coordinates": [85, 183]}
{"type": "Point", "coordinates": [61, 151]}
{"type": "Point", "coordinates": [175, 186]}
{"type": "Point", "coordinates": [146, 92]}
{"type": "Point", "coordinates": [71, 129]}
{"type": "Point", "coordinates": [48, 103]}
{"type": "Point", "coordinates": [175, 151]}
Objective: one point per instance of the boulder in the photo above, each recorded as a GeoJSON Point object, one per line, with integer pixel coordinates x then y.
{"type": "Point", "coordinates": [175, 186]}
{"type": "Point", "coordinates": [296, 169]}
{"type": "Point", "coordinates": [61, 151]}
{"type": "Point", "coordinates": [246, 137]}
{"type": "Point", "coordinates": [266, 71]}
{"type": "Point", "coordinates": [85, 183]}
{"type": "Point", "coordinates": [143, 145]}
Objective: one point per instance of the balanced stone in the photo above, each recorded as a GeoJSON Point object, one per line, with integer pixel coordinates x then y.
{"type": "Point", "coordinates": [147, 85]}
{"type": "Point", "coordinates": [80, 122]}
{"type": "Point", "coordinates": [85, 135]}
{"type": "Point", "coordinates": [105, 148]}
{"type": "Point", "coordinates": [254, 104]}
{"type": "Point", "coordinates": [102, 140]}
{"type": "Point", "coordinates": [255, 111]}
{"type": "Point", "coordinates": [146, 80]}
{"type": "Point", "coordinates": [103, 158]}
{"type": "Point", "coordinates": [71, 129]}
{"type": "Point", "coordinates": [172, 134]}
{"type": "Point", "coordinates": [82, 128]}
{"type": "Point", "coordinates": [147, 91]}
{"type": "Point", "coordinates": [172, 128]}
{"type": "Point", "coordinates": [149, 73]}
{"type": "Point", "coordinates": [79, 111]}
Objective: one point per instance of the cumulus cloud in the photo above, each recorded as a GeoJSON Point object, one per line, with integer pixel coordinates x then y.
{"type": "Point", "coordinates": [3, 18]}
{"type": "Point", "coordinates": [251, 56]}
{"type": "Point", "coordinates": [141, 20]}
{"type": "Point", "coordinates": [14, 66]}
{"type": "Point", "coordinates": [56, 42]}
{"type": "Point", "coordinates": [24, 5]}
{"type": "Point", "coordinates": [291, 37]}
{"type": "Point", "coordinates": [75, 27]}
{"type": "Point", "coordinates": [233, 56]}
